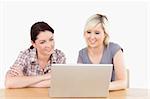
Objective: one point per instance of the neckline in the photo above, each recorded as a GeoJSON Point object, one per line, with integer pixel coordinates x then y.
{"type": "Point", "coordinates": [100, 62]}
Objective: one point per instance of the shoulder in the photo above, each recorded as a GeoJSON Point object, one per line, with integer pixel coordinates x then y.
{"type": "Point", "coordinates": [112, 45]}
{"type": "Point", "coordinates": [58, 57]}
{"type": "Point", "coordinates": [113, 48]}
{"type": "Point", "coordinates": [58, 52]}
{"type": "Point", "coordinates": [27, 53]}
{"type": "Point", "coordinates": [82, 51]}
{"type": "Point", "coordinates": [23, 57]}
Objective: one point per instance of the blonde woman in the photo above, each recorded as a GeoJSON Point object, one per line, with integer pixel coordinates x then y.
{"type": "Point", "coordinates": [100, 51]}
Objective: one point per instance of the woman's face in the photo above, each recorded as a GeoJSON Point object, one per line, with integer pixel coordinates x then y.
{"type": "Point", "coordinates": [94, 36]}
{"type": "Point", "coordinates": [44, 43]}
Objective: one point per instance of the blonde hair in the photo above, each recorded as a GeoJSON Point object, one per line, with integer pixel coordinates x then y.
{"type": "Point", "coordinates": [94, 21]}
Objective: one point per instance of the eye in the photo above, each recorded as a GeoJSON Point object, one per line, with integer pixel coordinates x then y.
{"type": "Point", "coordinates": [51, 39]}
{"type": "Point", "coordinates": [42, 42]}
{"type": "Point", "coordinates": [97, 32]}
{"type": "Point", "coordinates": [88, 32]}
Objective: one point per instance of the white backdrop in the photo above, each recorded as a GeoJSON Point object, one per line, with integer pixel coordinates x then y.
{"type": "Point", "coordinates": [127, 26]}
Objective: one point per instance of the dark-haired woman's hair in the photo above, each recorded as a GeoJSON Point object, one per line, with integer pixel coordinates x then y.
{"type": "Point", "coordinates": [37, 28]}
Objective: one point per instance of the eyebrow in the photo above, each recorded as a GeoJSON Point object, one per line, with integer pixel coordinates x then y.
{"type": "Point", "coordinates": [49, 38]}
{"type": "Point", "coordinates": [97, 31]}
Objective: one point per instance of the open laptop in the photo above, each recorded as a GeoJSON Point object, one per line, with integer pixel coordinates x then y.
{"type": "Point", "coordinates": [80, 80]}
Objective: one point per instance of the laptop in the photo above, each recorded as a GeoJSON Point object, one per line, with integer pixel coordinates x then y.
{"type": "Point", "coordinates": [80, 80]}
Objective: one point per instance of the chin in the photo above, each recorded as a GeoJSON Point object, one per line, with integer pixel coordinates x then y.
{"type": "Point", "coordinates": [92, 45]}
{"type": "Point", "coordinates": [48, 53]}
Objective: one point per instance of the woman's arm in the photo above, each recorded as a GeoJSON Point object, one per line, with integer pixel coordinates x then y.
{"type": "Point", "coordinates": [45, 83]}
{"type": "Point", "coordinates": [120, 73]}
{"type": "Point", "coordinates": [20, 81]}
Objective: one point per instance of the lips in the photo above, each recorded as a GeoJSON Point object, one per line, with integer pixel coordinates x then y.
{"type": "Point", "coordinates": [92, 42]}
{"type": "Point", "coordinates": [48, 50]}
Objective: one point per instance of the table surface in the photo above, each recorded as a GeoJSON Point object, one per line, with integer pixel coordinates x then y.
{"type": "Point", "coordinates": [42, 93]}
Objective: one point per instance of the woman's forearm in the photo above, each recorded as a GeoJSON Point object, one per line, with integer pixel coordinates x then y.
{"type": "Point", "coordinates": [45, 83]}
{"type": "Point", "coordinates": [22, 81]}
{"type": "Point", "coordinates": [117, 85]}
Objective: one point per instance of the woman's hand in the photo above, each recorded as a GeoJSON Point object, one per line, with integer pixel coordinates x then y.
{"type": "Point", "coordinates": [47, 76]}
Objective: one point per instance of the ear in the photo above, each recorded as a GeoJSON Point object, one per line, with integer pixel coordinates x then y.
{"type": "Point", "coordinates": [33, 44]}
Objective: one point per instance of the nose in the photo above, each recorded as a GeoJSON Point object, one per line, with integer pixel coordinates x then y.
{"type": "Point", "coordinates": [48, 44]}
{"type": "Point", "coordinates": [92, 36]}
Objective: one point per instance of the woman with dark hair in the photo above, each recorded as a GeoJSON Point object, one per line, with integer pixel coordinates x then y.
{"type": "Point", "coordinates": [32, 67]}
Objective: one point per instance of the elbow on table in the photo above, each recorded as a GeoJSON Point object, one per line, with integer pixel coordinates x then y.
{"type": "Point", "coordinates": [9, 83]}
